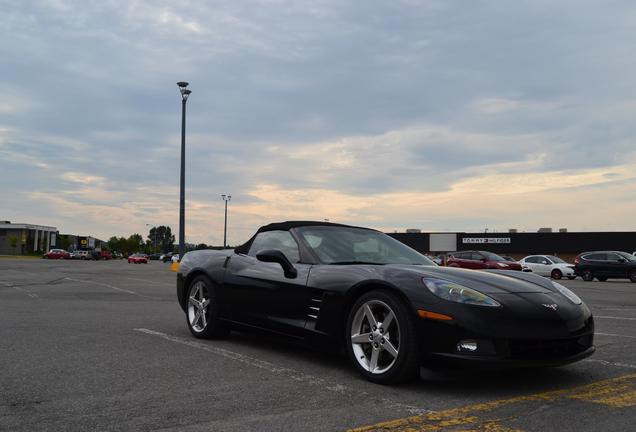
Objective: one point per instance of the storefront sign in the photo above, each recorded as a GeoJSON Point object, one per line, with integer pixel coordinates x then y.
{"type": "Point", "coordinates": [486, 240]}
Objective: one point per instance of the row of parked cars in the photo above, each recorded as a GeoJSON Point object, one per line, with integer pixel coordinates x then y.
{"type": "Point", "coordinates": [107, 255]}
{"type": "Point", "coordinates": [600, 265]}
{"type": "Point", "coordinates": [78, 254]}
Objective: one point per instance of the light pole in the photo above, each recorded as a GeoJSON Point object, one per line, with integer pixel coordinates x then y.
{"type": "Point", "coordinates": [225, 198]}
{"type": "Point", "coordinates": [155, 241]}
{"type": "Point", "coordinates": [184, 97]}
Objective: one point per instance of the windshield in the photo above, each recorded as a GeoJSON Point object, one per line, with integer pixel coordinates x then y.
{"type": "Point", "coordinates": [555, 259]}
{"type": "Point", "coordinates": [339, 245]}
{"type": "Point", "coordinates": [628, 257]}
{"type": "Point", "coordinates": [492, 257]}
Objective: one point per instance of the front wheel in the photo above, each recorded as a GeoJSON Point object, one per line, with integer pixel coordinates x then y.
{"type": "Point", "coordinates": [632, 275]}
{"type": "Point", "coordinates": [587, 275]}
{"type": "Point", "coordinates": [556, 274]}
{"type": "Point", "coordinates": [381, 340]}
{"type": "Point", "coordinates": [202, 310]}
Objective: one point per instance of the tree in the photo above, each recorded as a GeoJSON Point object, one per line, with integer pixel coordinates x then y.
{"type": "Point", "coordinates": [65, 242]}
{"type": "Point", "coordinates": [134, 243]}
{"type": "Point", "coordinates": [164, 238]}
{"type": "Point", "coordinates": [13, 241]}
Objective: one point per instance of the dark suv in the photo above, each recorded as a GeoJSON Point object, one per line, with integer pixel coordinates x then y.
{"type": "Point", "coordinates": [604, 265]}
{"type": "Point", "coordinates": [480, 260]}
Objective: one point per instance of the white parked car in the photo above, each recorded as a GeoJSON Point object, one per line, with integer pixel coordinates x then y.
{"type": "Point", "coordinates": [548, 265]}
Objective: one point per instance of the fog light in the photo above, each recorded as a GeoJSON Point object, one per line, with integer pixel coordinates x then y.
{"type": "Point", "coordinates": [467, 346]}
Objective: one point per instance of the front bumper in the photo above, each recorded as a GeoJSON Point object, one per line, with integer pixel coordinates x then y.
{"type": "Point", "coordinates": [507, 338]}
{"type": "Point", "coordinates": [447, 359]}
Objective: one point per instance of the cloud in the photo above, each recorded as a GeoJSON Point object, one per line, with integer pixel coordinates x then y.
{"type": "Point", "coordinates": [395, 114]}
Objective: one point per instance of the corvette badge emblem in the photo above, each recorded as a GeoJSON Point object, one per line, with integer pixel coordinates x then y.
{"type": "Point", "coordinates": [552, 306]}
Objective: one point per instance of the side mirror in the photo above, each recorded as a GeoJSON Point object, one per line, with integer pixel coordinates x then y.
{"type": "Point", "coordinates": [276, 256]}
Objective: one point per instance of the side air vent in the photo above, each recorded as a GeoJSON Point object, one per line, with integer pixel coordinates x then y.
{"type": "Point", "coordinates": [314, 308]}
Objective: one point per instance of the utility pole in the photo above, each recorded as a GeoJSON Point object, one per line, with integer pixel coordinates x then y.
{"type": "Point", "coordinates": [225, 198]}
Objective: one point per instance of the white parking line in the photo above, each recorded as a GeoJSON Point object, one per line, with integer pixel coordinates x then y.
{"type": "Point", "coordinates": [609, 363]}
{"type": "Point", "coordinates": [151, 282]}
{"type": "Point", "coordinates": [17, 288]}
{"type": "Point", "coordinates": [111, 287]}
{"type": "Point", "coordinates": [616, 318]}
{"type": "Point", "coordinates": [284, 371]}
{"type": "Point", "coordinates": [616, 335]}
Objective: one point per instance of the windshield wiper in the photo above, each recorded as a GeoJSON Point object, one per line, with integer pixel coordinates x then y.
{"type": "Point", "coordinates": [354, 262]}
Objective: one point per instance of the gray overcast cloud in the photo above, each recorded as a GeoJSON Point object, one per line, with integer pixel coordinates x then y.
{"type": "Point", "coordinates": [441, 115]}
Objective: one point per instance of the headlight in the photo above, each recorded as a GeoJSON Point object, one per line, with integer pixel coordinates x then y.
{"type": "Point", "coordinates": [502, 265]}
{"type": "Point", "coordinates": [569, 294]}
{"type": "Point", "coordinates": [458, 293]}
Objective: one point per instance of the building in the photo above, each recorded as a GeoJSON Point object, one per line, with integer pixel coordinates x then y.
{"type": "Point", "coordinates": [564, 244]}
{"type": "Point", "coordinates": [23, 238]}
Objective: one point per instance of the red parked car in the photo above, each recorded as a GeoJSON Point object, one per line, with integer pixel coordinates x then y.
{"type": "Point", "coordinates": [138, 258]}
{"type": "Point", "coordinates": [480, 260]}
{"type": "Point", "coordinates": [57, 254]}
{"type": "Point", "coordinates": [106, 255]}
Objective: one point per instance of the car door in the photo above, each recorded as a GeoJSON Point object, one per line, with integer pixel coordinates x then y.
{"type": "Point", "coordinates": [478, 261]}
{"type": "Point", "coordinates": [597, 262]}
{"type": "Point", "coordinates": [531, 263]}
{"type": "Point", "coordinates": [616, 266]}
{"type": "Point", "coordinates": [260, 294]}
{"type": "Point", "coordinates": [543, 266]}
{"type": "Point", "coordinates": [464, 260]}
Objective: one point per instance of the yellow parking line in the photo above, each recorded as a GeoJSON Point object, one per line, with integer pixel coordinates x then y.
{"type": "Point", "coordinates": [617, 392]}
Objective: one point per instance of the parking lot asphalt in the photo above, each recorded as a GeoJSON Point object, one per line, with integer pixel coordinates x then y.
{"type": "Point", "coordinates": [104, 346]}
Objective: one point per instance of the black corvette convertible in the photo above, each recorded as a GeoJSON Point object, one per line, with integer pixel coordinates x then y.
{"type": "Point", "coordinates": [389, 307]}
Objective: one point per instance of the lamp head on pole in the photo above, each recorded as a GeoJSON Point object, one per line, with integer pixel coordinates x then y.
{"type": "Point", "coordinates": [226, 197]}
{"type": "Point", "coordinates": [184, 91]}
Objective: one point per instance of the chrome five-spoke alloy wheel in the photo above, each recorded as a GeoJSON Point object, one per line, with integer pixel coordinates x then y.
{"type": "Point", "coordinates": [198, 302]}
{"type": "Point", "coordinates": [375, 336]}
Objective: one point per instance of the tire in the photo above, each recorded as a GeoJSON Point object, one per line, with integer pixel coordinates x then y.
{"type": "Point", "coordinates": [206, 325]}
{"type": "Point", "coordinates": [587, 275]}
{"type": "Point", "coordinates": [396, 358]}
{"type": "Point", "coordinates": [571, 277]}
{"type": "Point", "coordinates": [632, 276]}
{"type": "Point", "coordinates": [601, 278]}
{"type": "Point", "coordinates": [556, 274]}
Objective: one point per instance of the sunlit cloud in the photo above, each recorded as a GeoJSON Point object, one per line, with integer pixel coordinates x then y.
{"type": "Point", "coordinates": [396, 115]}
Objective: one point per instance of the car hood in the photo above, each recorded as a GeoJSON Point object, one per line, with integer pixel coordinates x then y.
{"type": "Point", "coordinates": [487, 282]}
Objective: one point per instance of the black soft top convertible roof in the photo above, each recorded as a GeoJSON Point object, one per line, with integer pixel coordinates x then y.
{"type": "Point", "coordinates": [286, 226]}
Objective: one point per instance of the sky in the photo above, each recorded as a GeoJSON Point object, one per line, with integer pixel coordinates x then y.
{"type": "Point", "coordinates": [437, 115]}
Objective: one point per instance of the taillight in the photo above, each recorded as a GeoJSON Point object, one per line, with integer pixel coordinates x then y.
{"type": "Point", "coordinates": [577, 260]}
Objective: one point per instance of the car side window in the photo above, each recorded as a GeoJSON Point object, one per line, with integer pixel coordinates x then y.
{"type": "Point", "coordinates": [278, 240]}
{"type": "Point", "coordinates": [612, 257]}
{"type": "Point", "coordinates": [476, 256]}
{"type": "Point", "coordinates": [596, 257]}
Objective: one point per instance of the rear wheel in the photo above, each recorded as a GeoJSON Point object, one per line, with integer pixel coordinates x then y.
{"type": "Point", "coordinates": [587, 275]}
{"type": "Point", "coordinates": [381, 340]}
{"type": "Point", "coordinates": [556, 274]}
{"type": "Point", "coordinates": [202, 310]}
